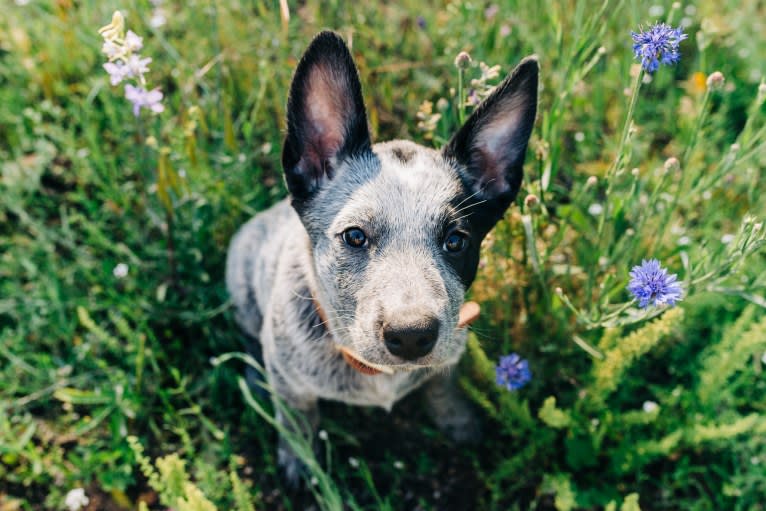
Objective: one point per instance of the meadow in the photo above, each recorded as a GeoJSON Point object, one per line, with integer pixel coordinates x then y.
{"type": "Point", "coordinates": [120, 382]}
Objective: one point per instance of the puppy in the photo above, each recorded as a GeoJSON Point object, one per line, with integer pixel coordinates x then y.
{"type": "Point", "coordinates": [352, 286]}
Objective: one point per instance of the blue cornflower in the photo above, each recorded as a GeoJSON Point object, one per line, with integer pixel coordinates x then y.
{"type": "Point", "coordinates": [657, 45]}
{"type": "Point", "coordinates": [512, 372]}
{"type": "Point", "coordinates": [651, 283]}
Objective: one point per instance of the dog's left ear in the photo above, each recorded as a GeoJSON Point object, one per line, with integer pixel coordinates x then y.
{"type": "Point", "coordinates": [491, 145]}
{"type": "Point", "coordinates": [326, 119]}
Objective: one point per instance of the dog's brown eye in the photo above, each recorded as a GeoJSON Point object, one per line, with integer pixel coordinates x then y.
{"type": "Point", "coordinates": [455, 242]}
{"type": "Point", "coordinates": [354, 237]}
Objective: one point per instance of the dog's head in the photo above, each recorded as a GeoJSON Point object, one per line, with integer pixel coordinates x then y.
{"type": "Point", "coordinates": [396, 228]}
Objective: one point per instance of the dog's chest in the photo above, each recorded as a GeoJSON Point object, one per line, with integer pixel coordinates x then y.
{"type": "Point", "coordinates": [319, 369]}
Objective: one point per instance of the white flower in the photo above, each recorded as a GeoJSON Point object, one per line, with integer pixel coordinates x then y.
{"type": "Point", "coordinates": [112, 50]}
{"type": "Point", "coordinates": [727, 238]}
{"type": "Point", "coordinates": [76, 499]}
{"type": "Point", "coordinates": [684, 240]}
{"type": "Point", "coordinates": [158, 19]}
{"type": "Point", "coordinates": [137, 66]}
{"type": "Point", "coordinates": [353, 462]}
{"type": "Point", "coordinates": [118, 71]}
{"type": "Point", "coordinates": [314, 481]}
{"type": "Point", "coordinates": [323, 435]}
{"type": "Point", "coordinates": [133, 42]}
{"type": "Point", "coordinates": [579, 136]}
{"type": "Point", "coordinates": [399, 465]}
{"type": "Point", "coordinates": [141, 98]}
{"type": "Point", "coordinates": [595, 209]}
{"type": "Point", "coordinates": [120, 271]}
{"type": "Point", "coordinates": [650, 406]}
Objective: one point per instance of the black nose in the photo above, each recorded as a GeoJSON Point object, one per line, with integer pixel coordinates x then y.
{"type": "Point", "coordinates": [412, 340]}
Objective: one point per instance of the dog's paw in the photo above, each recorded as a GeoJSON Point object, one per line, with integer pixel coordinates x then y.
{"type": "Point", "coordinates": [462, 428]}
{"type": "Point", "coordinates": [293, 469]}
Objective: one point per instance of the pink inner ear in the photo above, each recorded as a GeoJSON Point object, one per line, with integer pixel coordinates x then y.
{"type": "Point", "coordinates": [494, 144]}
{"type": "Point", "coordinates": [326, 105]}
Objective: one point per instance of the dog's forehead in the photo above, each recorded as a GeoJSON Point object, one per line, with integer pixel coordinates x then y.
{"type": "Point", "coordinates": [413, 186]}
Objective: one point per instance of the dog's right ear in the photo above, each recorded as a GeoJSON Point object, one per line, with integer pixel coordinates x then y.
{"type": "Point", "coordinates": [326, 119]}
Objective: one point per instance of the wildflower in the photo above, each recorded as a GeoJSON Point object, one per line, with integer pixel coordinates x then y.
{"type": "Point", "coordinates": [399, 465]}
{"type": "Point", "coordinates": [595, 209]}
{"type": "Point", "coordinates": [314, 481]}
{"type": "Point", "coordinates": [133, 42]}
{"type": "Point", "coordinates": [353, 462]}
{"type": "Point", "coordinates": [142, 98]}
{"type": "Point", "coordinates": [112, 50]}
{"type": "Point", "coordinates": [463, 60]}
{"type": "Point", "coordinates": [657, 45]}
{"type": "Point", "coordinates": [727, 238]}
{"type": "Point", "coordinates": [421, 22]}
{"type": "Point", "coordinates": [118, 71]}
{"type": "Point", "coordinates": [650, 406]}
{"type": "Point", "coordinates": [323, 435]}
{"type": "Point", "coordinates": [591, 181]}
{"type": "Point", "coordinates": [715, 81]}
{"type": "Point", "coordinates": [672, 164]}
{"type": "Point", "coordinates": [137, 66]}
{"type": "Point", "coordinates": [491, 11]}
{"type": "Point", "coordinates": [124, 62]}
{"type": "Point", "coordinates": [120, 271]}
{"type": "Point", "coordinates": [651, 283]}
{"type": "Point", "coordinates": [512, 372]}
{"type": "Point", "coordinates": [113, 31]}
{"type": "Point", "coordinates": [76, 499]}
{"type": "Point", "coordinates": [505, 31]}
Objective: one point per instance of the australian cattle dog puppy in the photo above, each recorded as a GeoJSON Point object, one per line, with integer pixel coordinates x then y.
{"type": "Point", "coordinates": [353, 285]}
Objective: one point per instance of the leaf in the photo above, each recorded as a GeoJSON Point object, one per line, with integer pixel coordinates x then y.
{"type": "Point", "coordinates": [552, 416]}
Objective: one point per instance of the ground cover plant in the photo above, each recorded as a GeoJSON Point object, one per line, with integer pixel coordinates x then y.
{"type": "Point", "coordinates": [619, 359]}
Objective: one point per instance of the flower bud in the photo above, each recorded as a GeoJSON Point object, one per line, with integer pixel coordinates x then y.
{"type": "Point", "coordinates": [463, 60]}
{"type": "Point", "coordinates": [715, 81]}
{"type": "Point", "coordinates": [672, 164]}
{"type": "Point", "coordinates": [531, 201]}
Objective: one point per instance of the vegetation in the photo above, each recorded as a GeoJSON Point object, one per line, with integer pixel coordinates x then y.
{"type": "Point", "coordinates": [115, 325]}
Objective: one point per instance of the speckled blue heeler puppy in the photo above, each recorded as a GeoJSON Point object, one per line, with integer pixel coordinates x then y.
{"type": "Point", "coordinates": [353, 286]}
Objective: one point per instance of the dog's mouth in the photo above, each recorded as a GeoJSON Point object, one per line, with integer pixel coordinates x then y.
{"type": "Point", "coordinates": [469, 312]}
{"type": "Point", "coordinates": [362, 365]}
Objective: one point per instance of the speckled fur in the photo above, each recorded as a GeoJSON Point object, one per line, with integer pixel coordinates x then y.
{"type": "Point", "coordinates": [402, 195]}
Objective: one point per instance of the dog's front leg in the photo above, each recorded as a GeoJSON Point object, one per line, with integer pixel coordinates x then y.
{"type": "Point", "coordinates": [303, 421]}
{"type": "Point", "coordinates": [451, 412]}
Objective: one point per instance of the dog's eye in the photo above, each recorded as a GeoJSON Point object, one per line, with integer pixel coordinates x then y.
{"type": "Point", "coordinates": [455, 242]}
{"type": "Point", "coordinates": [355, 237]}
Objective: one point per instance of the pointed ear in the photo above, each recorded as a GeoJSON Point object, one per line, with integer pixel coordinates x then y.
{"type": "Point", "coordinates": [491, 145]}
{"type": "Point", "coordinates": [326, 119]}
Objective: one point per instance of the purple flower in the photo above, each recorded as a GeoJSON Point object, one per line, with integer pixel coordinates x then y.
{"type": "Point", "coordinates": [421, 21]}
{"type": "Point", "coordinates": [137, 66]}
{"type": "Point", "coordinates": [142, 98]}
{"type": "Point", "coordinates": [657, 45]}
{"type": "Point", "coordinates": [512, 372]}
{"type": "Point", "coordinates": [117, 70]}
{"type": "Point", "coordinates": [651, 283]}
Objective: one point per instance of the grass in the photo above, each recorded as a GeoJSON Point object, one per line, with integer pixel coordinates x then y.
{"type": "Point", "coordinates": [90, 359]}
